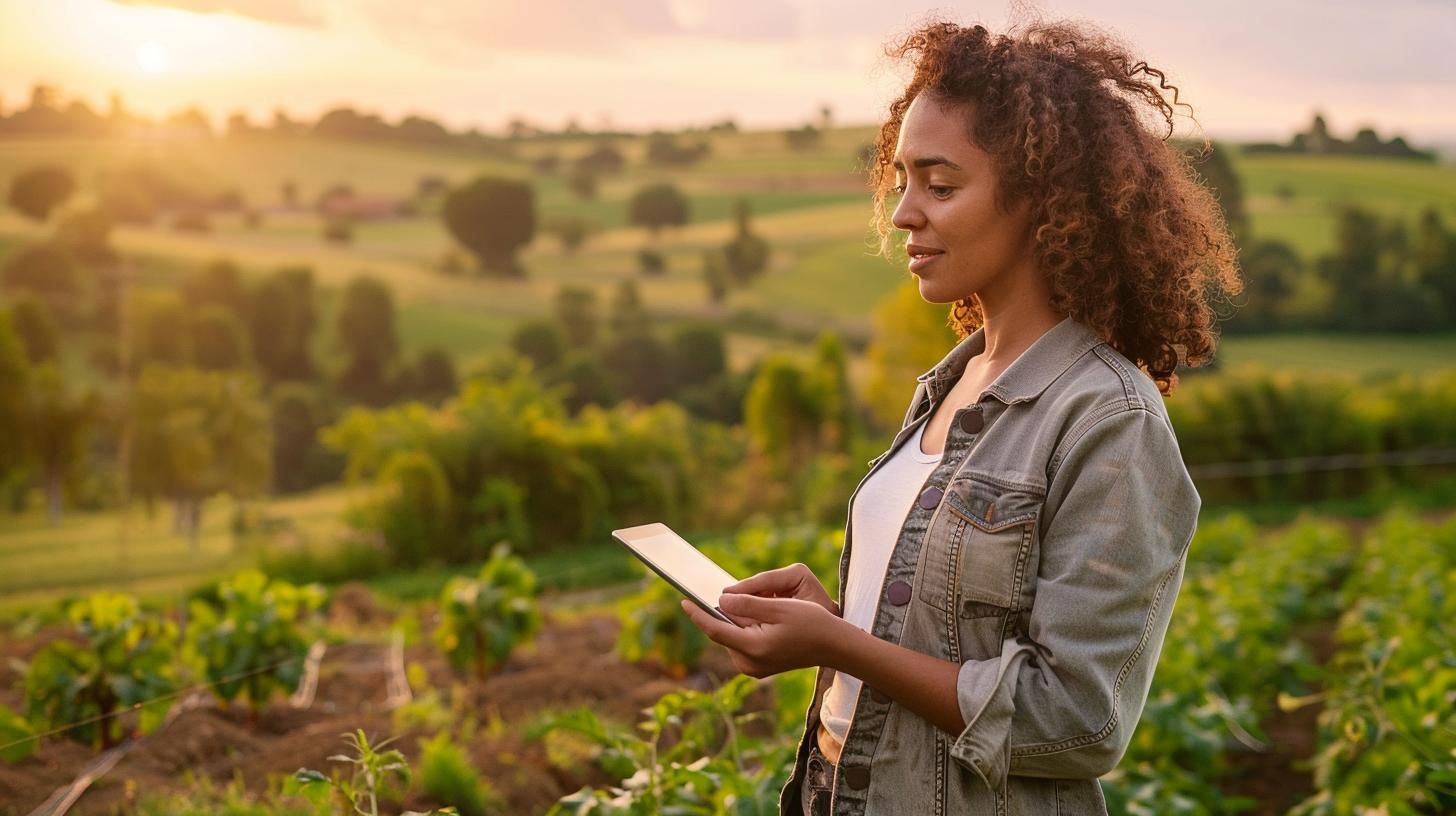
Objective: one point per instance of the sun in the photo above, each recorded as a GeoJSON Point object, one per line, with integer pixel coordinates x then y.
{"type": "Point", "coordinates": [152, 58]}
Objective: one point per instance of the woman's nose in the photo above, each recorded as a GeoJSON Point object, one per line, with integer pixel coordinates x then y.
{"type": "Point", "coordinates": [907, 215]}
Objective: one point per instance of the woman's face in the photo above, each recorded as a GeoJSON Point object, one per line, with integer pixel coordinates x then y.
{"type": "Point", "coordinates": [958, 241]}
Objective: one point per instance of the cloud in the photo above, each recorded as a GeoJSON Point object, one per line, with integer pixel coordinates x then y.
{"type": "Point", "coordinates": [282, 12]}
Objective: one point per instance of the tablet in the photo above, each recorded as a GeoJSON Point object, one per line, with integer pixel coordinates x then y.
{"type": "Point", "coordinates": [680, 564]}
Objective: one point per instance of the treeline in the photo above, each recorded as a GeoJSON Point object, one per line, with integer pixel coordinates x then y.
{"type": "Point", "coordinates": [1318, 140]}
{"type": "Point", "coordinates": [1384, 274]}
{"type": "Point", "coordinates": [116, 386]}
{"type": "Point", "coordinates": [49, 114]}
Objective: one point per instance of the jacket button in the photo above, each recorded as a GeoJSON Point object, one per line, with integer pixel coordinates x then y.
{"type": "Point", "coordinates": [972, 422]}
{"type": "Point", "coordinates": [879, 696]}
{"type": "Point", "coordinates": [899, 593]}
{"type": "Point", "coordinates": [857, 777]}
{"type": "Point", "coordinates": [930, 497]}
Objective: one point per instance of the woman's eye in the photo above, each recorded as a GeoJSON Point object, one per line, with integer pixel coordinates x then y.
{"type": "Point", "coordinates": [898, 189]}
{"type": "Point", "coordinates": [939, 190]}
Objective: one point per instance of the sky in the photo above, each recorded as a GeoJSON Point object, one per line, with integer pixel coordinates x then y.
{"type": "Point", "coordinates": [1252, 69]}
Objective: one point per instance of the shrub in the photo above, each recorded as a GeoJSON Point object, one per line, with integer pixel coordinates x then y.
{"type": "Point", "coordinates": [447, 774]}
{"type": "Point", "coordinates": [482, 620]}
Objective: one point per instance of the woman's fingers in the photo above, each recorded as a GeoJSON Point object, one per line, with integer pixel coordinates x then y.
{"type": "Point", "coordinates": [771, 582]}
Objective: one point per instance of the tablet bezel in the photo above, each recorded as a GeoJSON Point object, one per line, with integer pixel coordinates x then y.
{"type": "Point", "coordinates": [626, 536]}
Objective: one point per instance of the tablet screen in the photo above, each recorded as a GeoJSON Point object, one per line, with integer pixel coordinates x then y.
{"type": "Point", "coordinates": [672, 555]}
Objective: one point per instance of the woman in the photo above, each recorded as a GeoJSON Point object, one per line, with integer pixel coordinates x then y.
{"type": "Point", "coordinates": [998, 637]}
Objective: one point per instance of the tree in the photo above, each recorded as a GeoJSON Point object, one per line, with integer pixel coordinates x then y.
{"type": "Point", "coordinates": [49, 272]}
{"type": "Point", "coordinates": [493, 218]}
{"type": "Point", "coordinates": [539, 341]}
{"type": "Point", "coordinates": [779, 413]}
{"type": "Point", "coordinates": [300, 461]}
{"type": "Point", "coordinates": [1219, 175]}
{"type": "Point", "coordinates": [576, 311]}
{"type": "Point", "coordinates": [642, 365]}
{"type": "Point", "coordinates": [628, 316]}
{"type": "Point", "coordinates": [715, 275]}
{"type": "Point", "coordinates": [651, 263]}
{"type": "Point", "coordinates": [365, 330]}
{"type": "Point", "coordinates": [281, 319]}
{"type": "Point", "coordinates": [803, 138]}
{"type": "Point", "coordinates": [746, 256]}
{"type": "Point", "coordinates": [39, 190]}
{"type": "Point", "coordinates": [58, 418]}
{"type": "Point", "coordinates": [159, 331]}
{"type": "Point", "coordinates": [699, 355]}
{"type": "Point", "coordinates": [216, 339]}
{"type": "Point", "coordinates": [32, 322]}
{"type": "Point", "coordinates": [909, 337]}
{"type": "Point", "coordinates": [14, 385]}
{"type": "Point", "coordinates": [832, 397]}
{"type": "Point", "coordinates": [219, 283]}
{"type": "Point", "coordinates": [432, 378]}
{"type": "Point", "coordinates": [195, 434]}
{"type": "Point", "coordinates": [657, 206]}
{"type": "Point", "coordinates": [582, 181]}
{"type": "Point", "coordinates": [86, 235]}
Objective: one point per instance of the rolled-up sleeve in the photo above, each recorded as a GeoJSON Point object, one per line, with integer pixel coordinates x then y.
{"type": "Point", "coordinates": [1063, 699]}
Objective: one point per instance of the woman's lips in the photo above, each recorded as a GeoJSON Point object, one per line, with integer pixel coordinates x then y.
{"type": "Point", "coordinates": [919, 262]}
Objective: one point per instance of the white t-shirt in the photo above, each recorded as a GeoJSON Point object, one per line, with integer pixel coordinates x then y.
{"type": "Point", "coordinates": [875, 519]}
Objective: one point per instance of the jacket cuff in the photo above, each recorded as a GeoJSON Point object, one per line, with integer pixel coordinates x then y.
{"type": "Point", "coordinates": [986, 691]}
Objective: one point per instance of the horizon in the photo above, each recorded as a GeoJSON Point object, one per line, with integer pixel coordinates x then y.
{"type": "Point", "coordinates": [671, 64]}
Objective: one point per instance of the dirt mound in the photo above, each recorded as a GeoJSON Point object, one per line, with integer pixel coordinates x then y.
{"type": "Point", "coordinates": [572, 663]}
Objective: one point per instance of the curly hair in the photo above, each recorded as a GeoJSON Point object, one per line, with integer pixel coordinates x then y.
{"type": "Point", "coordinates": [1131, 242]}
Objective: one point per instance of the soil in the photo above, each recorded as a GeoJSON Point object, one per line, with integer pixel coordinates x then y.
{"type": "Point", "coordinates": [572, 663]}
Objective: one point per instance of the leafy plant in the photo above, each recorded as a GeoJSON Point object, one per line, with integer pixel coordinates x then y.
{"type": "Point", "coordinates": [373, 773]}
{"type": "Point", "coordinates": [654, 626]}
{"type": "Point", "coordinates": [447, 774]}
{"type": "Point", "coordinates": [124, 658]}
{"type": "Point", "coordinates": [17, 737]}
{"type": "Point", "coordinates": [696, 755]}
{"type": "Point", "coordinates": [482, 620]}
{"type": "Point", "coordinates": [1388, 729]}
{"type": "Point", "coordinates": [253, 642]}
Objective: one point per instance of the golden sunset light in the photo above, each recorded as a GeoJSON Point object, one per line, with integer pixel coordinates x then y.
{"type": "Point", "coordinates": [466, 407]}
{"type": "Point", "coordinates": [152, 58]}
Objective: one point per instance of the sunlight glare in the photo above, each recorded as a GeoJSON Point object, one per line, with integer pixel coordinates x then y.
{"type": "Point", "coordinates": [152, 58]}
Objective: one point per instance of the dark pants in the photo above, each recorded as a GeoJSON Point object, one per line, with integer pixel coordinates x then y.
{"type": "Point", "coordinates": [818, 784]}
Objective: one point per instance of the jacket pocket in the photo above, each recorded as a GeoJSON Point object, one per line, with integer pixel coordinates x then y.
{"type": "Point", "coordinates": [981, 551]}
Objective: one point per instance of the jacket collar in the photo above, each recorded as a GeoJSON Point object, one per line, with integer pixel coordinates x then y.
{"type": "Point", "coordinates": [1028, 376]}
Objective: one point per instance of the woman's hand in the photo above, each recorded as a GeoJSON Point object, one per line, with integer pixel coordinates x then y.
{"type": "Point", "coordinates": [793, 581]}
{"type": "Point", "coordinates": [775, 635]}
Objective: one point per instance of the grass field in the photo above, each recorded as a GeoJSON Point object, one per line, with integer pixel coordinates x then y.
{"type": "Point", "coordinates": [1391, 187]}
{"type": "Point", "coordinates": [810, 205]}
{"type": "Point", "coordinates": [132, 552]}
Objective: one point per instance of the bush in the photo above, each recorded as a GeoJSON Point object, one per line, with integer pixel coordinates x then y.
{"type": "Point", "coordinates": [483, 620]}
{"type": "Point", "coordinates": [123, 659]}
{"type": "Point", "coordinates": [252, 640]}
{"type": "Point", "coordinates": [448, 775]}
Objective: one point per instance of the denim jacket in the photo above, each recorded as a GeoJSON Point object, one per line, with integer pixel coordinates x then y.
{"type": "Point", "coordinates": [1043, 555]}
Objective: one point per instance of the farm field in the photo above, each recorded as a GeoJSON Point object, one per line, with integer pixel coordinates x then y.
{"type": "Point", "coordinates": [1306, 673]}
{"type": "Point", "coordinates": [1245, 694]}
{"type": "Point", "coordinates": [811, 206]}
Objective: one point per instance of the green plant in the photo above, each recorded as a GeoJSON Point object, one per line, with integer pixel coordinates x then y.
{"type": "Point", "coordinates": [17, 737]}
{"type": "Point", "coordinates": [697, 755]}
{"type": "Point", "coordinates": [447, 774]}
{"type": "Point", "coordinates": [1388, 728]}
{"type": "Point", "coordinates": [253, 642]}
{"type": "Point", "coordinates": [124, 658]}
{"type": "Point", "coordinates": [374, 772]}
{"type": "Point", "coordinates": [654, 626]}
{"type": "Point", "coordinates": [482, 620]}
